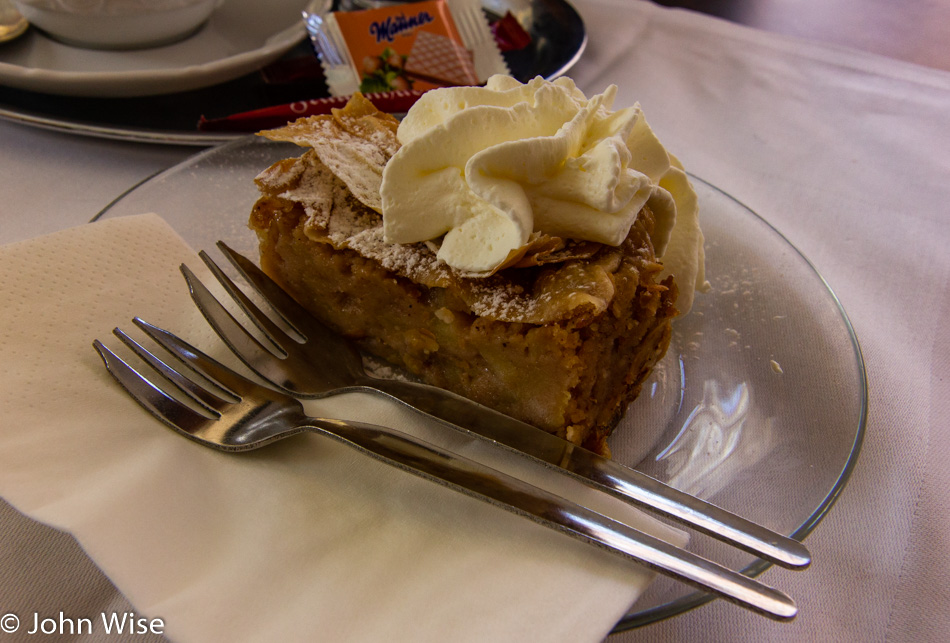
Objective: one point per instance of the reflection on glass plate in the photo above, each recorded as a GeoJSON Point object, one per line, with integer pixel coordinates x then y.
{"type": "Point", "coordinates": [759, 405]}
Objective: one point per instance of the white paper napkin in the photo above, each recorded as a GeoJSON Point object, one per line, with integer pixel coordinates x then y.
{"type": "Point", "coordinates": [304, 540]}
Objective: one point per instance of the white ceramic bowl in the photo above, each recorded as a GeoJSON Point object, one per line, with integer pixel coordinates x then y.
{"type": "Point", "coordinates": [117, 24]}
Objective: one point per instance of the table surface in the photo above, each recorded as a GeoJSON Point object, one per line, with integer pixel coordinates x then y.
{"type": "Point", "coordinates": [913, 30]}
{"type": "Point", "coordinates": [802, 107]}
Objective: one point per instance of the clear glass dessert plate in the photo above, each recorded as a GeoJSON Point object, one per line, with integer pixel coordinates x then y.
{"type": "Point", "coordinates": [759, 405]}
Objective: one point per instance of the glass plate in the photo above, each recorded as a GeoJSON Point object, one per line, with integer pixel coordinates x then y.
{"type": "Point", "coordinates": [759, 405]}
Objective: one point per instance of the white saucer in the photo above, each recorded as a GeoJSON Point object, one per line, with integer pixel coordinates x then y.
{"type": "Point", "coordinates": [238, 38]}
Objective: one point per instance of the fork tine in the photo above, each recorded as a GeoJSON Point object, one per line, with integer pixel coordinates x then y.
{"type": "Point", "coordinates": [274, 333]}
{"type": "Point", "coordinates": [286, 306]}
{"type": "Point", "coordinates": [214, 371]}
{"type": "Point", "coordinates": [245, 345]}
{"type": "Point", "coordinates": [150, 396]}
{"type": "Point", "coordinates": [212, 400]}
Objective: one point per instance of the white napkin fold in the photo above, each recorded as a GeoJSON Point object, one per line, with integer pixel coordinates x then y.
{"type": "Point", "coordinates": [304, 540]}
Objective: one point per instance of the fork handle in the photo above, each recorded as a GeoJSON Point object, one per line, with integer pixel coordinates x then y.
{"type": "Point", "coordinates": [487, 484]}
{"type": "Point", "coordinates": [596, 471]}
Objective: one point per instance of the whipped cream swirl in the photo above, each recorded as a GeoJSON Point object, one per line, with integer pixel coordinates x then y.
{"type": "Point", "coordinates": [485, 168]}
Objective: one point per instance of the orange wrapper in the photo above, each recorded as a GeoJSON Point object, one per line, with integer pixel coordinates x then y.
{"type": "Point", "coordinates": [415, 46]}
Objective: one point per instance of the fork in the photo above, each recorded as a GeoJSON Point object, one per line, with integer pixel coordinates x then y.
{"type": "Point", "coordinates": [292, 367]}
{"type": "Point", "coordinates": [228, 412]}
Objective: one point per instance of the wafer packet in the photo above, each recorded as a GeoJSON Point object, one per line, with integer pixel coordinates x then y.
{"type": "Point", "coordinates": [414, 46]}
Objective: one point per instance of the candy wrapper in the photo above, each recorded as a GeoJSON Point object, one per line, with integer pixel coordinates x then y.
{"type": "Point", "coordinates": [415, 46]}
{"type": "Point", "coordinates": [509, 34]}
{"type": "Point", "coordinates": [395, 102]}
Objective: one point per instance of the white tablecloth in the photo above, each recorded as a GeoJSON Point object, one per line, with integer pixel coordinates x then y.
{"type": "Point", "coordinates": [846, 153]}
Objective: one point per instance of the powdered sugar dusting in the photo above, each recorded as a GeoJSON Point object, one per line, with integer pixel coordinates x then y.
{"type": "Point", "coordinates": [310, 191]}
{"type": "Point", "coordinates": [280, 174]}
{"type": "Point", "coordinates": [502, 301]}
{"type": "Point", "coordinates": [353, 145]}
{"type": "Point", "coordinates": [414, 261]}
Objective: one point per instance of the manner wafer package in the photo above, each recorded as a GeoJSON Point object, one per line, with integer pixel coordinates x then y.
{"type": "Point", "coordinates": [413, 46]}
